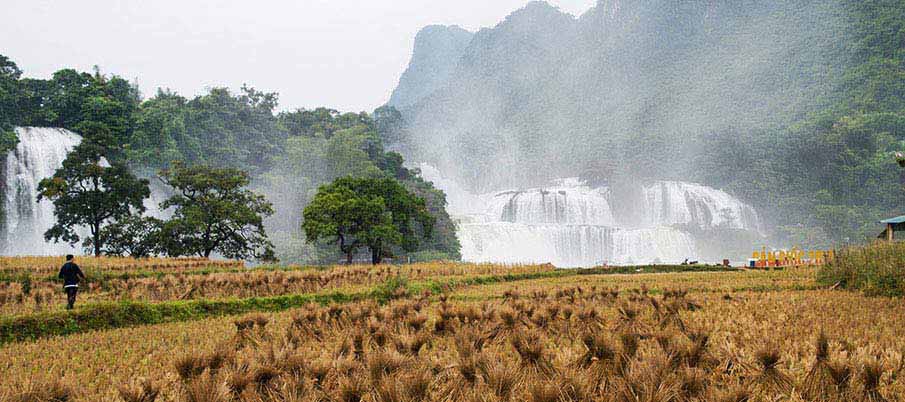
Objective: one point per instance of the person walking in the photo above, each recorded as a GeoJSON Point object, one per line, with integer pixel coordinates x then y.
{"type": "Point", "coordinates": [71, 275]}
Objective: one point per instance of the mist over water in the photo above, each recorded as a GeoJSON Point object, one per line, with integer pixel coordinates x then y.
{"type": "Point", "coordinates": [662, 90]}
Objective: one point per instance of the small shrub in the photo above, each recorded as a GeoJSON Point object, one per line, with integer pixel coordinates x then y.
{"type": "Point", "coordinates": [52, 391]}
{"type": "Point", "coordinates": [394, 288]}
{"type": "Point", "coordinates": [142, 391]}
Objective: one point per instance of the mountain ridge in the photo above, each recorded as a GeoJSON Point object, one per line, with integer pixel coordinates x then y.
{"type": "Point", "coordinates": [435, 54]}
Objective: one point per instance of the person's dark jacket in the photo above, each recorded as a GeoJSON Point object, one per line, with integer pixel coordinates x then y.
{"type": "Point", "coordinates": [71, 274]}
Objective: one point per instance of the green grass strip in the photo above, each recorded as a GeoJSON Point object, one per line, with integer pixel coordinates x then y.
{"type": "Point", "coordinates": [128, 314]}
{"type": "Point", "coordinates": [101, 316]}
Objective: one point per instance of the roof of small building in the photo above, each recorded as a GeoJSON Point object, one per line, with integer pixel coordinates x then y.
{"type": "Point", "coordinates": [896, 220]}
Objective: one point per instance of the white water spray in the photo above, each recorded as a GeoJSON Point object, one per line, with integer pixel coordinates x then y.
{"type": "Point", "coordinates": [38, 155]}
{"type": "Point", "coordinates": [571, 224]}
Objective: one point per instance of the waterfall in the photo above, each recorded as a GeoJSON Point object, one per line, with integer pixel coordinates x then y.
{"type": "Point", "coordinates": [673, 202]}
{"type": "Point", "coordinates": [459, 200]}
{"type": "Point", "coordinates": [571, 224]}
{"type": "Point", "coordinates": [38, 155]}
{"type": "Point", "coordinates": [564, 204]}
{"type": "Point", "coordinates": [655, 245]}
{"type": "Point", "coordinates": [562, 245]}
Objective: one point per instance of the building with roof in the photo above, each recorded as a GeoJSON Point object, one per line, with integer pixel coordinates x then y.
{"type": "Point", "coordinates": [892, 225]}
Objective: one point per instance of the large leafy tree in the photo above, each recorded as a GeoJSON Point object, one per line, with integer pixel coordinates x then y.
{"type": "Point", "coordinates": [325, 145]}
{"type": "Point", "coordinates": [91, 191]}
{"type": "Point", "coordinates": [377, 213]}
{"type": "Point", "coordinates": [215, 213]}
{"type": "Point", "coordinates": [338, 214]}
{"type": "Point", "coordinates": [10, 94]}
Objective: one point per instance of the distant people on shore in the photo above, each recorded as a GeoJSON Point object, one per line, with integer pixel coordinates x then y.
{"type": "Point", "coordinates": [71, 275]}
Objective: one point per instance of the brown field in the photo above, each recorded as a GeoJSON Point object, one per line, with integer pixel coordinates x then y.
{"type": "Point", "coordinates": [726, 336]}
{"type": "Point", "coordinates": [802, 278]}
{"type": "Point", "coordinates": [51, 265]}
{"type": "Point", "coordinates": [218, 280]}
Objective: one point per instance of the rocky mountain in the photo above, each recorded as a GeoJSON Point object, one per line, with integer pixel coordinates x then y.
{"type": "Point", "coordinates": [437, 50]}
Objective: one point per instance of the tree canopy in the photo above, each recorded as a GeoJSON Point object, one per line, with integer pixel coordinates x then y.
{"type": "Point", "coordinates": [351, 145]}
{"type": "Point", "coordinates": [214, 212]}
{"type": "Point", "coordinates": [376, 213]}
{"type": "Point", "coordinates": [10, 93]}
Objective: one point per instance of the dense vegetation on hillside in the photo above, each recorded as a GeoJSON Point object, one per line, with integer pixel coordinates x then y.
{"type": "Point", "coordinates": [796, 107]}
{"type": "Point", "coordinates": [288, 154]}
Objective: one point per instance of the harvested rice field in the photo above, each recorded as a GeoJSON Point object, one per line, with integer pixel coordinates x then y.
{"type": "Point", "coordinates": [459, 332]}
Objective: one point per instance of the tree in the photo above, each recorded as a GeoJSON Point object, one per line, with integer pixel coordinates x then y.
{"type": "Point", "coordinates": [390, 125]}
{"type": "Point", "coordinates": [214, 212]}
{"type": "Point", "coordinates": [377, 213]}
{"type": "Point", "coordinates": [10, 92]}
{"type": "Point", "coordinates": [236, 131]}
{"type": "Point", "coordinates": [134, 235]}
{"type": "Point", "coordinates": [90, 191]}
{"type": "Point", "coordinates": [161, 133]}
{"type": "Point", "coordinates": [338, 213]}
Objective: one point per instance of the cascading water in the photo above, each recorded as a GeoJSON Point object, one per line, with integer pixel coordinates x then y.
{"type": "Point", "coordinates": [673, 202]}
{"type": "Point", "coordinates": [569, 203]}
{"type": "Point", "coordinates": [38, 155]}
{"type": "Point", "coordinates": [573, 225]}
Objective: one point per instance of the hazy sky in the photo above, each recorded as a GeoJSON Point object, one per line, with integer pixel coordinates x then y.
{"type": "Point", "coordinates": [346, 54]}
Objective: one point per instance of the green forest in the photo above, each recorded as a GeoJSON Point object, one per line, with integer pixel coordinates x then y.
{"type": "Point", "coordinates": [821, 168]}
{"type": "Point", "coordinates": [287, 154]}
{"type": "Point", "coordinates": [831, 174]}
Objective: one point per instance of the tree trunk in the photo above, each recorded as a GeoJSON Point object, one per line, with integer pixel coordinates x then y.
{"type": "Point", "coordinates": [96, 231]}
{"type": "Point", "coordinates": [376, 257]}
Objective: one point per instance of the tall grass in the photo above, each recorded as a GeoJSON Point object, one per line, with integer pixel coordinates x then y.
{"type": "Point", "coordinates": [877, 269]}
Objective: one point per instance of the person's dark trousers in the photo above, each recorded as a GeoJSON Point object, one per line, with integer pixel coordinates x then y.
{"type": "Point", "coordinates": [71, 292]}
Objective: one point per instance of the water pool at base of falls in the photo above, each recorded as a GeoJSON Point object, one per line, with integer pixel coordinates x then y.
{"type": "Point", "coordinates": [572, 245]}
